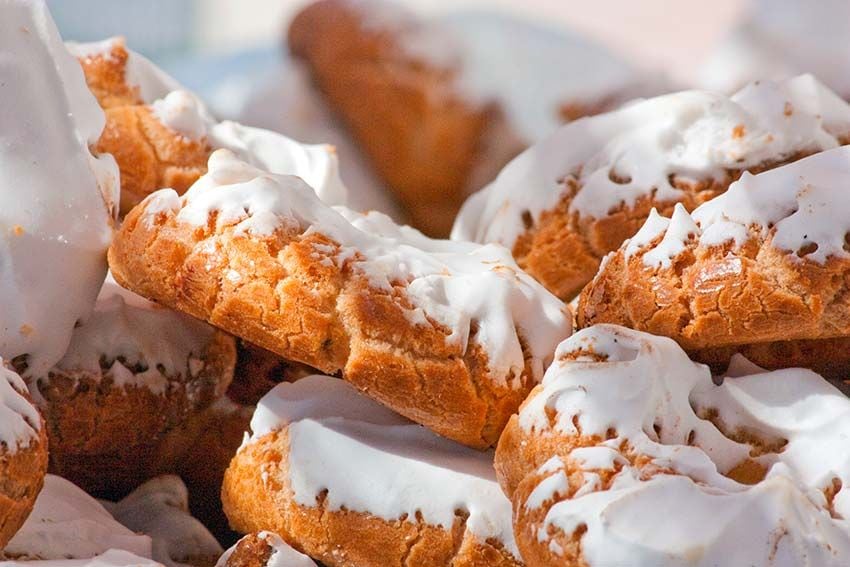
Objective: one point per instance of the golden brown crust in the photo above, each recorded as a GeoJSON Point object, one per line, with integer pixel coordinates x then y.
{"type": "Point", "coordinates": [21, 478]}
{"type": "Point", "coordinates": [103, 435]}
{"type": "Point", "coordinates": [340, 537]}
{"type": "Point", "coordinates": [718, 300]}
{"type": "Point", "coordinates": [251, 551]}
{"type": "Point", "coordinates": [105, 73]}
{"type": "Point", "coordinates": [318, 313]}
{"type": "Point", "coordinates": [422, 136]}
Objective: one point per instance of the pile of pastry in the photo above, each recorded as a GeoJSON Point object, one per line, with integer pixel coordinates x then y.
{"type": "Point", "coordinates": [630, 352]}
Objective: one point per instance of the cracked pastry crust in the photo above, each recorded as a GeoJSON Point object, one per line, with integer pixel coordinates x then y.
{"type": "Point", "coordinates": [257, 496]}
{"type": "Point", "coordinates": [150, 155]}
{"type": "Point", "coordinates": [427, 141]}
{"type": "Point", "coordinates": [22, 466]}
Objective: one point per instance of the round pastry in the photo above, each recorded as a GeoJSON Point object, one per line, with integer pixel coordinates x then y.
{"type": "Point", "coordinates": [23, 453]}
{"type": "Point", "coordinates": [754, 271]}
{"type": "Point", "coordinates": [630, 454]}
{"type": "Point", "coordinates": [67, 523]}
{"type": "Point", "coordinates": [349, 482]}
{"type": "Point", "coordinates": [161, 136]}
{"type": "Point", "coordinates": [51, 263]}
{"type": "Point", "coordinates": [452, 335]}
{"type": "Point", "coordinates": [575, 196]}
{"type": "Point", "coordinates": [263, 549]}
{"type": "Point", "coordinates": [131, 362]}
{"type": "Point", "coordinates": [160, 509]}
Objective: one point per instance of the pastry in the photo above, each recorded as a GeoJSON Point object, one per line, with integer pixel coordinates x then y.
{"type": "Point", "coordinates": [131, 362]}
{"type": "Point", "coordinates": [23, 453]}
{"type": "Point", "coordinates": [160, 509]}
{"type": "Point", "coordinates": [263, 549]}
{"type": "Point", "coordinates": [577, 195]}
{"type": "Point", "coordinates": [48, 181]}
{"type": "Point", "coordinates": [349, 482]}
{"type": "Point", "coordinates": [452, 335]}
{"type": "Point", "coordinates": [631, 454]}
{"type": "Point", "coordinates": [162, 135]}
{"type": "Point", "coordinates": [762, 269]}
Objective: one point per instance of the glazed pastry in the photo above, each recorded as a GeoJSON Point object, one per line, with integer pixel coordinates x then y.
{"type": "Point", "coordinates": [263, 549]}
{"type": "Point", "coordinates": [51, 263]}
{"type": "Point", "coordinates": [160, 509]}
{"type": "Point", "coordinates": [131, 362]}
{"type": "Point", "coordinates": [780, 38]}
{"type": "Point", "coordinates": [349, 482]}
{"type": "Point", "coordinates": [452, 335]}
{"type": "Point", "coordinates": [577, 195]}
{"type": "Point", "coordinates": [23, 453]}
{"type": "Point", "coordinates": [403, 103]}
{"type": "Point", "coordinates": [67, 523]}
{"type": "Point", "coordinates": [630, 454]}
{"type": "Point", "coordinates": [163, 135]}
{"type": "Point", "coordinates": [762, 270]}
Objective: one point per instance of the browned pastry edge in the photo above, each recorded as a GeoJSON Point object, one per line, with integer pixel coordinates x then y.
{"type": "Point", "coordinates": [21, 478]}
{"type": "Point", "coordinates": [105, 76]}
{"type": "Point", "coordinates": [718, 300]}
{"type": "Point", "coordinates": [103, 436]}
{"type": "Point", "coordinates": [563, 249]}
{"type": "Point", "coordinates": [318, 313]}
{"type": "Point", "coordinates": [423, 137]}
{"type": "Point", "coordinates": [251, 551]}
{"type": "Point", "coordinates": [340, 537]}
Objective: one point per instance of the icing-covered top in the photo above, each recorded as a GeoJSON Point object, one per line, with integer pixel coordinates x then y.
{"type": "Point", "coordinates": [804, 205]}
{"type": "Point", "coordinates": [57, 198]}
{"type": "Point", "coordinates": [400, 468]}
{"type": "Point", "coordinates": [186, 114]}
{"type": "Point", "coordinates": [454, 284]}
{"type": "Point", "coordinates": [130, 332]}
{"type": "Point", "coordinates": [680, 505]}
{"type": "Point", "coordinates": [160, 509]}
{"type": "Point", "coordinates": [67, 523]}
{"type": "Point", "coordinates": [618, 157]}
{"type": "Point", "coordinates": [20, 422]}
{"type": "Point", "coordinates": [283, 555]}
{"type": "Point", "coordinates": [780, 38]}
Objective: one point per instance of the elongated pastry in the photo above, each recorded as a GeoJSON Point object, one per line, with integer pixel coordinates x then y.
{"type": "Point", "coordinates": [23, 453]}
{"type": "Point", "coordinates": [762, 270]}
{"type": "Point", "coordinates": [162, 135]}
{"type": "Point", "coordinates": [131, 362]}
{"type": "Point", "coordinates": [572, 198]}
{"type": "Point", "coordinates": [452, 335]}
{"type": "Point", "coordinates": [52, 262]}
{"type": "Point", "coordinates": [352, 483]}
{"type": "Point", "coordinates": [631, 454]}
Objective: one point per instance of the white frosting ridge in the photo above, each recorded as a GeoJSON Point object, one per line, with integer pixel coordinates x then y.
{"type": "Point", "coordinates": [455, 284]}
{"type": "Point", "coordinates": [160, 509]}
{"type": "Point", "coordinates": [373, 461]}
{"type": "Point", "coordinates": [803, 205]}
{"type": "Point", "coordinates": [618, 157]}
{"type": "Point", "coordinates": [57, 199]}
{"type": "Point", "coordinates": [651, 395]}
{"type": "Point", "coordinates": [67, 523]}
{"type": "Point", "coordinates": [283, 555]}
{"type": "Point", "coordinates": [20, 422]}
{"type": "Point", "coordinates": [130, 332]}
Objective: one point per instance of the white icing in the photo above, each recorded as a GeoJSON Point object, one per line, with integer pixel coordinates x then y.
{"type": "Point", "coordinates": [802, 204]}
{"type": "Point", "coordinates": [160, 509]}
{"type": "Point", "coordinates": [780, 38]}
{"type": "Point", "coordinates": [141, 333]}
{"type": "Point", "coordinates": [179, 111]}
{"type": "Point", "coordinates": [67, 523]}
{"type": "Point", "coordinates": [110, 558]}
{"type": "Point", "coordinates": [55, 218]}
{"type": "Point", "coordinates": [283, 555]}
{"type": "Point", "coordinates": [374, 461]}
{"type": "Point", "coordinates": [650, 394]}
{"type": "Point", "coordinates": [618, 157]}
{"type": "Point", "coordinates": [455, 284]}
{"type": "Point", "coordinates": [19, 420]}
